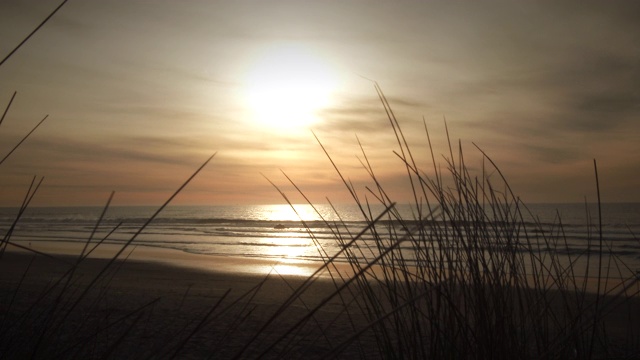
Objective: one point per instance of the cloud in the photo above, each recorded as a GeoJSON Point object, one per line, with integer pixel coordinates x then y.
{"type": "Point", "coordinates": [56, 153]}
{"type": "Point", "coordinates": [363, 116]}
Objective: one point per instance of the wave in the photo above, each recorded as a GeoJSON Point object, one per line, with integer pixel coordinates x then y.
{"type": "Point", "coordinates": [220, 233]}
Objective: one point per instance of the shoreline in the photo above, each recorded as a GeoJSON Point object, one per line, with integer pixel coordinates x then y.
{"type": "Point", "coordinates": [242, 265]}
{"type": "Point", "coordinates": [172, 257]}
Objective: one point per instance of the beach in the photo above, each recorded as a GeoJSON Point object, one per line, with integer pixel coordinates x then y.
{"type": "Point", "coordinates": [176, 290]}
{"type": "Point", "coordinates": [161, 302]}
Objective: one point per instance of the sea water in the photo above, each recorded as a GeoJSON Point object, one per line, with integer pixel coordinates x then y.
{"type": "Point", "coordinates": [313, 233]}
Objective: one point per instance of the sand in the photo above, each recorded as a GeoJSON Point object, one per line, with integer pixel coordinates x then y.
{"type": "Point", "coordinates": [162, 302]}
{"type": "Point", "coordinates": [182, 289]}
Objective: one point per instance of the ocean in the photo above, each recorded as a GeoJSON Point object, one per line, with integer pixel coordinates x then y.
{"type": "Point", "coordinates": [279, 232]}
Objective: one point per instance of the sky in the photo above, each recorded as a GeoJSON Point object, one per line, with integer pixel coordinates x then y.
{"type": "Point", "coordinates": [140, 93]}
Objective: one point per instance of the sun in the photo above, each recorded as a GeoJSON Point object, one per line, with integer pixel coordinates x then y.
{"type": "Point", "coordinates": [287, 85]}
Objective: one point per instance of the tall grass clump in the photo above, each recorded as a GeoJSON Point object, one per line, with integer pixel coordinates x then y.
{"type": "Point", "coordinates": [473, 274]}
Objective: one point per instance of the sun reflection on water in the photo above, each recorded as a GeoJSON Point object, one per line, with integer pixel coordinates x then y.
{"type": "Point", "coordinates": [282, 249]}
{"type": "Point", "coordinates": [289, 239]}
{"type": "Point", "coordinates": [293, 267]}
{"type": "Point", "coordinates": [284, 212]}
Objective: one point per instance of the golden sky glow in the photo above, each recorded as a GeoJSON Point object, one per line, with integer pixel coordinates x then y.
{"type": "Point", "coordinates": [140, 93]}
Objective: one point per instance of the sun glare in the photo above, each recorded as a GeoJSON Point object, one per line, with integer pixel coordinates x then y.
{"type": "Point", "coordinates": [284, 212]}
{"type": "Point", "coordinates": [288, 85]}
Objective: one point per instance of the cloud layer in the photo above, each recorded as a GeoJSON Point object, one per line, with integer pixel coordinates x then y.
{"type": "Point", "coordinates": [138, 95]}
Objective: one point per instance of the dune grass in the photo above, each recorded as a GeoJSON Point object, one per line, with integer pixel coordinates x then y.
{"type": "Point", "coordinates": [468, 276]}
